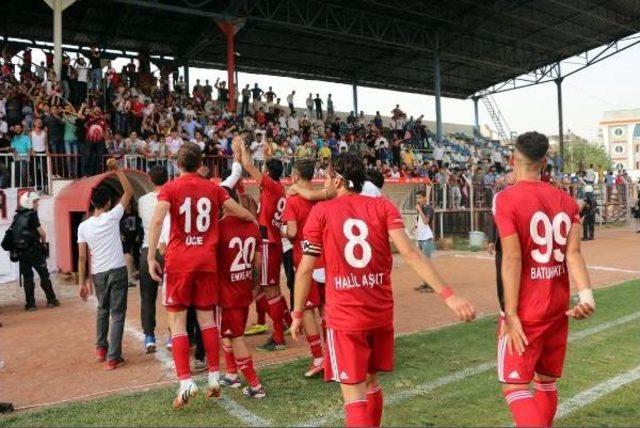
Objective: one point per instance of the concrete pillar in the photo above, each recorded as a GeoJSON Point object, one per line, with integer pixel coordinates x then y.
{"type": "Point", "coordinates": [476, 121]}
{"type": "Point", "coordinates": [186, 78]}
{"type": "Point", "coordinates": [229, 30]}
{"type": "Point", "coordinates": [58, 6]}
{"type": "Point", "coordinates": [436, 79]}
{"type": "Point", "coordinates": [560, 125]}
{"type": "Point", "coordinates": [355, 99]}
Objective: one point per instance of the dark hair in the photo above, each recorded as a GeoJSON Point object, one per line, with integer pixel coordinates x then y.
{"type": "Point", "coordinates": [421, 193]}
{"type": "Point", "coordinates": [305, 168]}
{"type": "Point", "coordinates": [232, 193]}
{"type": "Point", "coordinates": [376, 177]}
{"type": "Point", "coordinates": [532, 145]}
{"type": "Point", "coordinates": [351, 168]}
{"type": "Point", "coordinates": [100, 197]}
{"type": "Point", "coordinates": [158, 175]}
{"type": "Point", "coordinates": [189, 157]}
{"type": "Point", "coordinates": [275, 168]}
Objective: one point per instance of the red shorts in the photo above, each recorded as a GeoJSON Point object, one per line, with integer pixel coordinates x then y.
{"type": "Point", "coordinates": [315, 298]}
{"type": "Point", "coordinates": [271, 261]}
{"type": "Point", "coordinates": [544, 354]}
{"type": "Point", "coordinates": [233, 321]}
{"type": "Point", "coordinates": [351, 355]}
{"type": "Point", "coordinates": [184, 289]}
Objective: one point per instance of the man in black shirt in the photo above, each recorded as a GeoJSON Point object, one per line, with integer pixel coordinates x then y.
{"type": "Point", "coordinates": [96, 69]}
{"type": "Point", "coordinates": [55, 135]}
{"type": "Point", "coordinates": [318, 102]}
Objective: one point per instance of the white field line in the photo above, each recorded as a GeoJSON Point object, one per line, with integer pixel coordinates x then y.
{"type": "Point", "coordinates": [592, 394]}
{"type": "Point", "coordinates": [635, 272]}
{"type": "Point", "coordinates": [464, 373]}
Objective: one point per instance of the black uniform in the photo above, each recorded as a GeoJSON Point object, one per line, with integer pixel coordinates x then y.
{"type": "Point", "coordinates": [588, 213]}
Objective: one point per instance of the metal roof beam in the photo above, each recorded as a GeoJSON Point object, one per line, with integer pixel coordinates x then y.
{"type": "Point", "coordinates": [598, 12]}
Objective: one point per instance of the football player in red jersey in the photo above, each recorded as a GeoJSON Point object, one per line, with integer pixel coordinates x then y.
{"type": "Point", "coordinates": [539, 228]}
{"type": "Point", "coordinates": [190, 263]}
{"type": "Point", "coordinates": [296, 212]}
{"type": "Point", "coordinates": [271, 208]}
{"type": "Point", "coordinates": [239, 243]}
{"type": "Point", "coordinates": [359, 299]}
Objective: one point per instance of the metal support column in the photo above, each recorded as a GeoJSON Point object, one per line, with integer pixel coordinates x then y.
{"type": "Point", "coordinates": [476, 121]}
{"type": "Point", "coordinates": [229, 29]}
{"type": "Point", "coordinates": [187, 86]}
{"type": "Point", "coordinates": [560, 125]}
{"type": "Point", "coordinates": [355, 99]}
{"type": "Point", "coordinates": [436, 78]}
{"type": "Point", "coordinates": [58, 6]}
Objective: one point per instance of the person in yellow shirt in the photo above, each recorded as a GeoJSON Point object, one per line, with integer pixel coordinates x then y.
{"type": "Point", "coordinates": [324, 154]}
{"type": "Point", "coordinates": [409, 158]}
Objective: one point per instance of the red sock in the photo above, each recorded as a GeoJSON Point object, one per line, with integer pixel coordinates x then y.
{"type": "Point", "coordinates": [524, 408]}
{"type": "Point", "coordinates": [276, 311]}
{"type": "Point", "coordinates": [211, 342]}
{"type": "Point", "coordinates": [231, 366]}
{"type": "Point", "coordinates": [323, 325]}
{"type": "Point", "coordinates": [261, 308]}
{"type": "Point", "coordinates": [315, 345]}
{"type": "Point", "coordinates": [356, 414]}
{"type": "Point", "coordinates": [374, 405]}
{"type": "Point", "coordinates": [246, 367]}
{"type": "Point", "coordinates": [180, 350]}
{"type": "Point", "coordinates": [546, 396]}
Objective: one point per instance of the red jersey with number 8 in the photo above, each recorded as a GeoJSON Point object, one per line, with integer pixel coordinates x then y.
{"type": "Point", "coordinates": [271, 209]}
{"type": "Point", "coordinates": [352, 233]}
{"type": "Point", "coordinates": [195, 204]}
{"type": "Point", "coordinates": [239, 241]}
{"type": "Point", "coordinates": [542, 216]}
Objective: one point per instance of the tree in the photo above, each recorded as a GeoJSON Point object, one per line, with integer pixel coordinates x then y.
{"type": "Point", "coordinates": [578, 155]}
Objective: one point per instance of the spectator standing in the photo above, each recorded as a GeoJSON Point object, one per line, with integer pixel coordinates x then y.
{"type": "Point", "coordinates": [98, 234]}
{"type": "Point", "coordinates": [96, 69]}
{"type": "Point", "coordinates": [290, 101]}
{"type": "Point", "coordinates": [424, 233]}
{"type": "Point", "coordinates": [246, 96]}
{"type": "Point", "coordinates": [83, 77]}
{"type": "Point", "coordinates": [21, 145]}
{"type": "Point", "coordinates": [38, 136]}
{"type": "Point", "coordinates": [29, 243]}
{"type": "Point", "coordinates": [591, 176]}
{"type": "Point", "coordinates": [318, 103]}
{"type": "Point", "coordinates": [55, 135]}
{"type": "Point", "coordinates": [95, 137]}
{"type": "Point", "coordinates": [330, 110]}
{"type": "Point", "coordinates": [309, 104]}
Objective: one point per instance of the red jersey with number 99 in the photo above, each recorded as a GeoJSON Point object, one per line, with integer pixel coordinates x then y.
{"type": "Point", "coordinates": [352, 232]}
{"type": "Point", "coordinates": [542, 216]}
{"type": "Point", "coordinates": [272, 201]}
{"type": "Point", "coordinates": [195, 204]}
{"type": "Point", "coordinates": [239, 241]}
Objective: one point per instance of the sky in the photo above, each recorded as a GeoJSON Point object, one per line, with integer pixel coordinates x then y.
{"type": "Point", "coordinates": [611, 84]}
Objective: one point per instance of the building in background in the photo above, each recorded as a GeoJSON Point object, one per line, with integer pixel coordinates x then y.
{"type": "Point", "coordinates": [621, 137]}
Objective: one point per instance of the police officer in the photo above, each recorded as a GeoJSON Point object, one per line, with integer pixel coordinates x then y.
{"type": "Point", "coordinates": [588, 214]}
{"type": "Point", "coordinates": [29, 240]}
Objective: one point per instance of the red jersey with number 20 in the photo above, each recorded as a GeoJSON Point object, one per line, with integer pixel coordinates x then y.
{"type": "Point", "coordinates": [272, 201]}
{"type": "Point", "coordinates": [239, 241]}
{"type": "Point", "coordinates": [542, 216]}
{"type": "Point", "coordinates": [195, 204]}
{"type": "Point", "coordinates": [352, 232]}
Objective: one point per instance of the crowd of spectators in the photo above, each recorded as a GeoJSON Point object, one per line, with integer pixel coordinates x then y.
{"type": "Point", "coordinates": [141, 118]}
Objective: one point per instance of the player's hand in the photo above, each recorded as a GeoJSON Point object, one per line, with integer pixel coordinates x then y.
{"type": "Point", "coordinates": [297, 331]}
{"type": "Point", "coordinates": [462, 307]}
{"type": "Point", "coordinates": [581, 311]}
{"type": "Point", "coordinates": [112, 164]}
{"type": "Point", "coordinates": [491, 248]}
{"type": "Point", "coordinates": [516, 339]}
{"type": "Point", "coordinates": [84, 292]}
{"type": "Point", "coordinates": [291, 191]}
{"type": "Point", "coordinates": [155, 270]}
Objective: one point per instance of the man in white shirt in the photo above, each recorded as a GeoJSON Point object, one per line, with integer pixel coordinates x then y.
{"type": "Point", "coordinates": [100, 234]}
{"type": "Point", "coordinates": [292, 121]}
{"type": "Point", "coordinates": [590, 175]}
{"type": "Point", "coordinates": [174, 142]}
{"type": "Point", "coordinates": [148, 287]}
{"type": "Point", "coordinates": [424, 234]}
{"type": "Point", "coordinates": [257, 149]}
{"type": "Point", "coordinates": [438, 154]}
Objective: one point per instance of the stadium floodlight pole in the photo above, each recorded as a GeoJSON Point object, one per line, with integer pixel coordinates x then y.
{"type": "Point", "coordinates": [558, 81]}
{"type": "Point", "coordinates": [436, 78]}
{"type": "Point", "coordinates": [355, 98]}
{"type": "Point", "coordinates": [58, 6]}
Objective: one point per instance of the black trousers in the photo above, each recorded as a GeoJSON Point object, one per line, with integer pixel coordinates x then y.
{"type": "Point", "coordinates": [94, 157]}
{"type": "Point", "coordinates": [588, 226]}
{"type": "Point", "coordinates": [148, 294]}
{"type": "Point", "coordinates": [287, 263]}
{"type": "Point", "coordinates": [195, 335]}
{"type": "Point", "coordinates": [29, 261]}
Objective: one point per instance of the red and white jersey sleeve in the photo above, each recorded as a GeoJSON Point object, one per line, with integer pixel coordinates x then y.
{"type": "Point", "coordinates": [542, 216]}
{"type": "Point", "coordinates": [352, 233]}
{"type": "Point", "coordinates": [194, 206]}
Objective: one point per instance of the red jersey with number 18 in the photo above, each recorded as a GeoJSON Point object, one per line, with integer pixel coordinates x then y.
{"type": "Point", "coordinates": [195, 204]}
{"type": "Point", "coordinates": [352, 233]}
{"type": "Point", "coordinates": [272, 201]}
{"type": "Point", "coordinates": [238, 243]}
{"type": "Point", "coordinates": [542, 216]}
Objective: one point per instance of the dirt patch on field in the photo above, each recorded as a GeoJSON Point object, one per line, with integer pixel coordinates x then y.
{"type": "Point", "coordinates": [49, 354]}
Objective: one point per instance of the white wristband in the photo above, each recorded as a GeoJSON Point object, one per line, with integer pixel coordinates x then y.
{"type": "Point", "coordinates": [586, 296]}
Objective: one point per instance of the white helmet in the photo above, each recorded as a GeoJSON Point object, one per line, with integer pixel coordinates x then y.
{"type": "Point", "coordinates": [27, 199]}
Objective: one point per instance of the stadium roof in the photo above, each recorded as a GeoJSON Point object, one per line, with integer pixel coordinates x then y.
{"type": "Point", "coordinates": [377, 43]}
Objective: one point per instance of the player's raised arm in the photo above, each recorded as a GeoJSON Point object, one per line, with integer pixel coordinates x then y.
{"type": "Point", "coordinates": [155, 271]}
{"type": "Point", "coordinates": [247, 163]}
{"type": "Point", "coordinates": [112, 164]}
{"type": "Point", "coordinates": [236, 210]}
{"type": "Point", "coordinates": [312, 194]}
{"type": "Point", "coordinates": [578, 271]}
{"type": "Point", "coordinates": [511, 272]}
{"type": "Point", "coordinates": [425, 270]}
